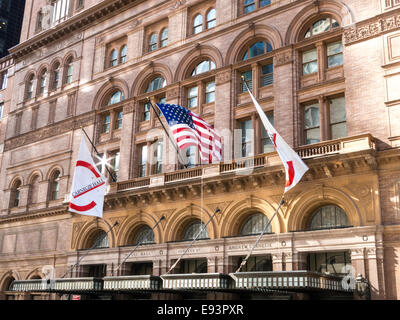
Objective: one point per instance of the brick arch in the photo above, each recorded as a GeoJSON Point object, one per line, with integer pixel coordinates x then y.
{"type": "Point", "coordinates": [29, 73]}
{"type": "Point", "coordinates": [14, 179]}
{"type": "Point", "coordinates": [250, 34]}
{"type": "Point", "coordinates": [52, 169]}
{"type": "Point", "coordinates": [107, 88]}
{"type": "Point", "coordinates": [7, 277]}
{"type": "Point", "coordinates": [67, 56]}
{"type": "Point", "coordinates": [35, 273]}
{"type": "Point", "coordinates": [306, 203]}
{"type": "Point", "coordinates": [33, 174]}
{"type": "Point", "coordinates": [196, 55]}
{"type": "Point", "coordinates": [177, 223]}
{"type": "Point", "coordinates": [53, 63]}
{"type": "Point", "coordinates": [88, 230]}
{"type": "Point", "coordinates": [238, 212]}
{"type": "Point", "coordinates": [148, 73]}
{"type": "Point", "coordinates": [337, 9]}
{"type": "Point", "coordinates": [134, 223]}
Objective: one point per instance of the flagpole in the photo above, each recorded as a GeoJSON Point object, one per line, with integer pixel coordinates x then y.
{"type": "Point", "coordinates": [91, 248]}
{"type": "Point", "coordinates": [242, 264]}
{"type": "Point", "coordinates": [169, 137]}
{"type": "Point", "coordinates": [193, 241]}
{"type": "Point", "coordinates": [134, 249]}
{"type": "Point", "coordinates": [98, 154]}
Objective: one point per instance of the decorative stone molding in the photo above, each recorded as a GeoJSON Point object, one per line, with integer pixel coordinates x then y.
{"type": "Point", "coordinates": [223, 77]}
{"type": "Point", "coordinates": [129, 108]}
{"type": "Point", "coordinates": [283, 58]}
{"type": "Point", "coordinates": [173, 93]}
{"type": "Point", "coordinates": [49, 131]}
{"type": "Point", "coordinates": [177, 4]}
{"type": "Point", "coordinates": [371, 29]}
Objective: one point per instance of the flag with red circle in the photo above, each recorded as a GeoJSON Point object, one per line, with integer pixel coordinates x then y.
{"type": "Point", "coordinates": [88, 185]}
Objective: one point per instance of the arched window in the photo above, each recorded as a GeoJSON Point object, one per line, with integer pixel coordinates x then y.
{"type": "Point", "coordinates": [56, 76]}
{"type": "Point", "coordinates": [113, 58]}
{"type": "Point", "coordinates": [328, 217]}
{"type": "Point", "coordinates": [100, 240]}
{"type": "Point", "coordinates": [55, 185]}
{"type": "Point", "coordinates": [255, 224]}
{"type": "Point", "coordinates": [257, 49]}
{"type": "Point", "coordinates": [29, 87]}
{"type": "Point", "coordinates": [211, 18]}
{"type": "Point", "coordinates": [202, 67]}
{"type": "Point", "coordinates": [144, 235]}
{"type": "Point", "coordinates": [193, 229]}
{"type": "Point", "coordinates": [15, 194]}
{"type": "Point", "coordinates": [115, 97]}
{"type": "Point", "coordinates": [198, 24]}
{"type": "Point", "coordinates": [124, 52]}
{"type": "Point", "coordinates": [69, 66]}
{"type": "Point", "coordinates": [321, 26]}
{"type": "Point", "coordinates": [42, 81]}
{"type": "Point", "coordinates": [153, 42]}
{"type": "Point", "coordinates": [155, 84]}
{"type": "Point", "coordinates": [34, 190]}
{"type": "Point", "coordinates": [164, 38]}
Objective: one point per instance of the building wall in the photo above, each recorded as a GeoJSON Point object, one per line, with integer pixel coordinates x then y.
{"type": "Point", "coordinates": [42, 133]}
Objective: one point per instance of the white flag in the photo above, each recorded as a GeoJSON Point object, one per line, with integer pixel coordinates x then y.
{"type": "Point", "coordinates": [294, 165]}
{"type": "Point", "coordinates": [88, 185]}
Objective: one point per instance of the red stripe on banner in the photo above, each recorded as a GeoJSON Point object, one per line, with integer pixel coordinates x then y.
{"type": "Point", "coordinates": [85, 164]}
{"type": "Point", "coordinates": [275, 140]}
{"type": "Point", "coordinates": [82, 208]}
{"type": "Point", "coordinates": [89, 190]}
{"type": "Point", "coordinates": [290, 173]}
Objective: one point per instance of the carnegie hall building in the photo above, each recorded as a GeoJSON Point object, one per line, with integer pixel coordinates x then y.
{"type": "Point", "coordinates": [325, 72]}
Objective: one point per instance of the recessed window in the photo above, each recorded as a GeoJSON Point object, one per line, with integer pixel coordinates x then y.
{"type": "Point", "coordinates": [194, 229]}
{"type": "Point", "coordinates": [267, 75]}
{"type": "Point", "coordinates": [210, 92]}
{"type": "Point", "coordinates": [255, 224]}
{"type": "Point", "coordinates": [116, 97]}
{"type": "Point", "coordinates": [257, 49]}
{"type": "Point", "coordinates": [157, 156]}
{"type": "Point", "coordinates": [56, 76]}
{"type": "Point", "coordinates": [247, 138]}
{"type": "Point", "coordinates": [335, 54]}
{"type": "Point", "coordinates": [311, 124]}
{"type": "Point", "coordinates": [55, 185]}
{"type": "Point", "coordinates": [246, 78]}
{"type": "Point", "coordinates": [337, 115]}
{"type": "Point", "coordinates": [321, 26]}
{"type": "Point", "coordinates": [146, 111]}
{"type": "Point", "coordinates": [70, 71]}
{"type": "Point", "coordinates": [202, 67]}
{"type": "Point", "coordinates": [144, 236]}
{"type": "Point", "coordinates": [29, 87]}
{"type": "Point", "coordinates": [106, 123]}
{"type": "Point", "coordinates": [164, 38]}
{"type": "Point", "coordinates": [328, 217]}
{"type": "Point", "coordinates": [118, 122]}
{"type": "Point", "coordinates": [143, 161]}
{"type": "Point", "coordinates": [124, 52]}
{"type": "Point", "coordinates": [192, 97]}
{"type": "Point", "coordinates": [15, 194]}
{"type": "Point", "coordinates": [310, 62]}
{"type": "Point", "coordinates": [211, 18]}
{"type": "Point", "coordinates": [249, 6]}
{"type": "Point", "coordinates": [266, 144]}
{"type": "Point", "coordinates": [153, 42]}
{"type": "Point", "coordinates": [3, 80]}
{"type": "Point", "coordinates": [113, 58]}
{"type": "Point", "coordinates": [156, 84]}
{"type": "Point", "coordinates": [198, 24]}
{"type": "Point", "coordinates": [100, 240]}
{"type": "Point", "coordinates": [42, 82]}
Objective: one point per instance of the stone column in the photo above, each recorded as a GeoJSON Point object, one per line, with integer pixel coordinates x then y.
{"type": "Point", "coordinates": [321, 60]}
{"type": "Point", "coordinates": [126, 142]}
{"type": "Point", "coordinates": [375, 273]}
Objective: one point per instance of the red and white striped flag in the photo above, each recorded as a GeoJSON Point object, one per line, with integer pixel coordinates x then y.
{"type": "Point", "coordinates": [191, 130]}
{"type": "Point", "coordinates": [295, 168]}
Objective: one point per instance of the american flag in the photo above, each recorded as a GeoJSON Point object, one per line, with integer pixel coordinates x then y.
{"type": "Point", "coordinates": [191, 130]}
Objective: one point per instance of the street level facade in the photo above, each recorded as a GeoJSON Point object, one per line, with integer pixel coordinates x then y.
{"type": "Point", "coordinates": [326, 73]}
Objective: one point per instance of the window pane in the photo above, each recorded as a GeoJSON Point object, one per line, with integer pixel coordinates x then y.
{"type": "Point", "coordinates": [257, 49]}
{"type": "Point", "coordinates": [334, 48]}
{"type": "Point", "coordinates": [198, 24]}
{"type": "Point", "coordinates": [339, 130]}
{"type": "Point", "coordinates": [264, 3]}
{"type": "Point", "coordinates": [247, 138]}
{"type": "Point", "coordinates": [193, 230]}
{"type": "Point", "coordinates": [211, 16]}
{"type": "Point", "coordinates": [312, 136]}
{"type": "Point", "coordinates": [311, 116]}
{"type": "Point", "coordinates": [335, 24]}
{"type": "Point", "coordinates": [255, 225]}
{"type": "Point", "coordinates": [267, 144]}
{"type": "Point", "coordinates": [210, 92]}
{"type": "Point", "coordinates": [192, 97]}
{"type": "Point", "coordinates": [336, 60]}
{"type": "Point", "coordinates": [248, 77]}
{"type": "Point", "coordinates": [249, 6]}
{"type": "Point", "coordinates": [328, 217]}
{"type": "Point", "coordinates": [267, 75]}
{"type": "Point", "coordinates": [310, 55]}
{"type": "Point", "coordinates": [321, 26]}
{"type": "Point", "coordinates": [337, 110]}
{"type": "Point", "coordinates": [310, 67]}
{"type": "Point", "coordinates": [145, 235]}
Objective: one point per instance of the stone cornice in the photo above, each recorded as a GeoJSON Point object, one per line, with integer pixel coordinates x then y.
{"type": "Point", "coordinates": [79, 21]}
{"type": "Point", "coordinates": [42, 213]}
{"type": "Point", "coordinates": [49, 131]}
{"type": "Point", "coordinates": [373, 27]}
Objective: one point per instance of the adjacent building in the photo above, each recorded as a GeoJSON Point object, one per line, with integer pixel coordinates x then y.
{"type": "Point", "coordinates": [325, 72]}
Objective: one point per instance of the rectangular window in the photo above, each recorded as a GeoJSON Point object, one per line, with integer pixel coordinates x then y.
{"type": "Point", "coordinates": [191, 156]}
{"type": "Point", "coordinates": [264, 3]}
{"type": "Point", "coordinates": [146, 112]}
{"type": "Point", "coordinates": [210, 92]}
{"type": "Point", "coordinates": [59, 11]}
{"type": "Point", "coordinates": [248, 77]}
{"type": "Point", "coordinates": [193, 266]}
{"type": "Point", "coordinates": [337, 112]}
{"type": "Point", "coordinates": [249, 6]}
{"type": "Point", "coordinates": [335, 54]}
{"type": "Point", "coordinates": [106, 124]}
{"type": "Point", "coordinates": [247, 138]}
{"type": "Point", "coordinates": [100, 163]}
{"type": "Point", "coordinates": [115, 164]}
{"type": "Point", "coordinates": [143, 161]}
{"type": "Point", "coordinates": [332, 262]}
{"type": "Point", "coordinates": [118, 122]}
{"type": "Point", "coordinates": [266, 144]}
{"type": "Point", "coordinates": [193, 97]}
{"type": "Point", "coordinates": [267, 76]}
{"type": "Point", "coordinates": [3, 80]}
{"type": "Point", "coordinates": [310, 62]}
{"type": "Point", "coordinates": [157, 157]}
{"type": "Point", "coordinates": [256, 263]}
{"type": "Point", "coordinates": [311, 124]}
{"type": "Point", "coordinates": [1, 109]}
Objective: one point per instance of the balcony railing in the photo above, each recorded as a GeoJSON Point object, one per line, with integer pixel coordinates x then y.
{"type": "Point", "coordinates": [145, 282]}
{"type": "Point", "coordinates": [197, 281]}
{"type": "Point", "coordinates": [338, 146]}
{"type": "Point", "coordinates": [289, 280]}
{"type": "Point", "coordinates": [280, 281]}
